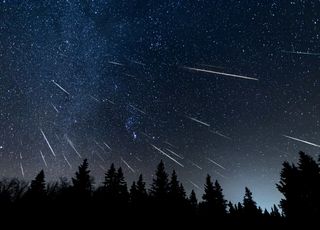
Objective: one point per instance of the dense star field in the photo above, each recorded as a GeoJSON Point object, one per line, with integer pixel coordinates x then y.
{"type": "Point", "coordinates": [228, 88]}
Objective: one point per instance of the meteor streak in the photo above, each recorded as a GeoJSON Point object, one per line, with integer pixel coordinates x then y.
{"type": "Point", "coordinates": [55, 108]}
{"type": "Point", "coordinates": [194, 164]}
{"type": "Point", "coordinates": [137, 109]}
{"type": "Point", "coordinates": [60, 87]}
{"type": "Point", "coordinates": [220, 73]}
{"type": "Point", "coordinates": [115, 63]}
{"type": "Point", "coordinates": [66, 160]}
{"type": "Point", "coordinates": [220, 134]}
{"type": "Point", "coordinates": [72, 146]}
{"type": "Point", "coordinates": [306, 142]}
{"type": "Point", "coordinates": [22, 171]}
{"type": "Point", "coordinates": [217, 164]}
{"type": "Point", "coordinates": [126, 163]}
{"type": "Point", "coordinates": [300, 53]}
{"type": "Point", "coordinates": [198, 121]}
{"type": "Point", "coordinates": [177, 155]}
{"type": "Point", "coordinates": [171, 158]}
{"type": "Point", "coordinates": [44, 160]}
{"type": "Point", "coordinates": [195, 185]}
{"type": "Point", "coordinates": [48, 143]}
{"type": "Point", "coordinates": [107, 146]}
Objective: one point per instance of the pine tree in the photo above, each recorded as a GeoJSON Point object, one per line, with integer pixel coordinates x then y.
{"type": "Point", "coordinates": [38, 186]}
{"type": "Point", "coordinates": [174, 188]}
{"type": "Point", "coordinates": [123, 194]}
{"type": "Point", "coordinates": [82, 182]}
{"type": "Point", "coordinates": [160, 185]}
{"type": "Point", "coordinates": [214, 202]}
{"type": "Point", "coordinates": [193, 200]}
{"type": "Point", "coordinates": [250, 208]}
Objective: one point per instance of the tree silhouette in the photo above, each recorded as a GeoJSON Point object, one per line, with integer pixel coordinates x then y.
{"type": "Point", "coordinates": [193, 202]}
{"type": "Point", "coordinates": [213, 203]}
{"type": "Point", "coordinates": [300, 188]}
{"type": "Point", "coordinates": [250, 209]}
{"type": "Point", "coordinates": [138, 192]}
{"type": "Point", "coordinates": [160, 185]}
{"type": "Point", "coordinates": [82, 182]}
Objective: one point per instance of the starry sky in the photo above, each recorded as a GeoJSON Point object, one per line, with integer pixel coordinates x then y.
{"type": "Point", "coordinates": [225, 87]}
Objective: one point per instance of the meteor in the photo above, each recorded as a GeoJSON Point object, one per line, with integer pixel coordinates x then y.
{"type": "Point", "coordinates": [306, 142]}
{"type": "Point", "coordinates": [72, 145]}
{"type": "Point", "coordinates": [220, 73]}
{"type": "Point", "coordinates": [66, 160]}
{"type": "Point", "coordinates": [168, 143]}
{"type": "Point", "coordinates": [220, 134]}
{"type": "Point", "coordinates": [300, 53]}
{"type": "Point", "coordinates": [126, 163]}
{"type": "Point", "coordinates": [22, 171]}
{"type": "Point", "coordinates": [48, 143]}
{"type": "Point", "coordinates": [111, 102]}
{"type": "Point", "coordinates": [138, 159]}
{"type": "Point", "coordinates": [139, 110]}
{"type": "Point", "coordinates": [195, 185]}
{"type": "Point", "coordinates": [171, 158]}
{"type": "Point", "coordinates": [44, 160]}
{"type": "Point", "coordinates": [115, 63]}
{"type": "Point", "coordinates": [198, 121]}
{"type": "Point", "coordinates": [60, 87]}
{"type": "Point", "coordinates": [94, 98]}
{"type": "Point", "coordinates": [55, 108]}
{"type": "Point", "coordinates": [107, 146]}
{"type": "Point", "coordinates": [217, 164]}
{"type": "Point", "coordinates": [177, 155]}
{"type": "Point", "coordinates": [194, 164]}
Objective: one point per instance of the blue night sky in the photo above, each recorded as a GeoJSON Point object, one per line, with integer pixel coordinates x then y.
{"type": "Point", "coordinates": [228, 88]}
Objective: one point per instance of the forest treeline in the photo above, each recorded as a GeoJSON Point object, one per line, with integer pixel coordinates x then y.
{"type": "Point", "coordinates": [165, 199]}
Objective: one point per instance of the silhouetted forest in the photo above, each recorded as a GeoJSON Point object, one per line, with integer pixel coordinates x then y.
{"type": "Point", "coordinates": [164, 201]}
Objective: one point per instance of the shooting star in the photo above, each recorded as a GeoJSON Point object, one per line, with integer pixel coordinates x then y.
{"type": "Point", "coordinates": [108, 146]}
{"type": "Point", "coordinates": [60, 87]}
{"type": "Point", "coordinates": [101, 158]}
{"type": "Point", "coordinates": [171, 158]}
{"type": "Point", "coordinates": [300, 53]}
{"type": "Point", "coordinates": [220, 134]}
{"type": "Point", "coordinates": [103, 168]}
{"type": "Point", "coordinates": [137, 109]}
{"type": "Point", "coordinates": [115, 63]}
{"type": "Point", "coordinates": [196, 165]}
{"type": "Point", "coordinates": [107, 100]}
{"type": "Point", "coordinates": [72, 145]}
{"type": "Point", "coordinates": [220, 73]}
{"type": "Point", "coordinates": [177, 155]}
{"type": "Point", "coordinates": [138, 63]}
{"type": "Point", "coordinates": [168, 143]}
{"type": "Point", "coordinates": [138, 159]}
{"type": "Point", "coordinates": [223, 176]}
{"type": "Point", "coordinates": [306, 142]}
{"type": "Point", "coordinates": [94, 98]}
{"type": "Point", "coordinates": [55, 108]}
{"type": "Point", "coordinates": [198, 121]}
{"type": "Point", "coordinates": [217, 164]}
{"type": "Point", "coordinates": [101, 147]}
{"type": "Point", "coordinates": [66, 160]}
{"type": "Point", "coordinates": [48, 143]}
{"type": "Point", "coordinates": [44, 160]}
{"type": "Point", "coordinates": [195, 185]}
{"type": "Point", "coordinates": [22, 171]}
{"type": "Point", "coordinates": [126, 163]}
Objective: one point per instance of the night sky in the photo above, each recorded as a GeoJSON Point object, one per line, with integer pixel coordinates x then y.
{"type": "Point", "coordinates": [225, 87]}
